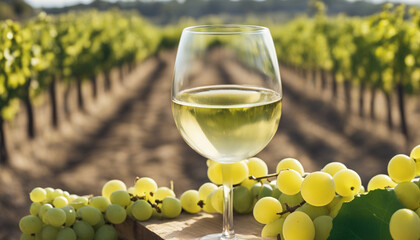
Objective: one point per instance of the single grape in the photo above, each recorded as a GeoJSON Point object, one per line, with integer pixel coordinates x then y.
{"type": "Point", "coordinates": [30, 224]}
{"type": "Point", "coordinates": [161, 193]}
{"type": "Point", "coordinates": [415, 154]}
{"type": "Point", "coordinates": [401, 168]}
{"type": "Point", "coordinates": [257, 167]}
{"type": "Point", "coordinates": [100, 202]}
{"type": "Point", "coordinates": [70, 215]}
{"type": "Point", "coordinates": [418, 211]}
{"type": "Point", "coordinates": [89, 214]}
{"type": "Point", "coordinates": [130, 190]}
{"type": "Point", "coordinates": [83, 230]}
{"type": "Point", "coordinates": [60, 201]}
{"type": "Point", "coordinates": [145, 186]}
{"type": "Point", "coordinates": [111, 186]}
{"type": "Point", "coordinates": [318, 189]}
{"type": "Point", "coordinates": [274, 228]}
{"type": "Point", "coordinates": [189, 201]}
{"type": "Point", "coordinates": [106, 232]}
{"type": "Point", "coordinates": [313, 211]}
{"type": "Point", "coordinates": [290, 163]}
{"type": "Point", "coordinates": [380, 181]}
{"type": "Point", "coordinates": [409, 194]}
{"type": "Point", "coordinates": [49, 232]}
{"type": "Point", "coordinates": [248, 183]}
{"type": "Point", "coordinates": [120, 197]}
{"type": "Point", "coordinates": [66, 194]}
{"type": "Point", "coordinates": [141, 210]}
{"type": "Point", "coordinates": [259, 190]}
{"type": "Point", "coordinates": [116, 214]}
{"type": "Point", "coordinates": [242, 200]}
{"type": "Point", "coordinates": [55, 217]}
{"type": "Point", "coordinates": [290, 200]}
{"type": "Point", "coordinates": [128, 210]}
{"type": "Point", "coordinates": [214, 173]}
{"type": "Point", "coordinates": [25, 236]}
{"type": "Point", "coordinates": [207, 205]}
{"type": "Point", "coordinates": [72, 197]}
{"type": "Point", "coordinates": [298, 226]}
{"type": "Point", "coordinates": [171, 207]}
{"type": "Point", "coordinates": [43, 209]}
{"type": "Point", "coordinates": [79, 202]}
{"type": "Point", "coordinates": [66, 234]}
{"type": "Point", "coordinates": [50, 194]}
{"type": "Point", "coordinates": [323, 226]}
{"type": "Point", "coordinates": [347, 182]}
{"type": "Point", "coordinates": [276, 193]}
{"type": "Point", "coordinates": [205, 190]}
{"type": "Point", "coordinates": [266, 209]}
{"type": "Point", "coordinates": [57, 193]}
{"type": "Point", "coordinates": [217, 199]}
{"type": "Point", "coordinates": [289, 181]}
{"type": "Point", "coordinates": [35, 207]}
{"type": "Point", "coordinates": [236, 172]}
{"type": "Point", "coordinates": [333, 167]}
{"type": "Point", "coordinates": [99, 224]}
{"type": "Point", "coordinates": [38, 195]}
{"type": "Point", "coordinates": [405, 225]}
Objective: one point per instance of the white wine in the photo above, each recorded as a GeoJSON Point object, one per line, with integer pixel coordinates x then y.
{"type": "Point", "coordinates": [227, 123]}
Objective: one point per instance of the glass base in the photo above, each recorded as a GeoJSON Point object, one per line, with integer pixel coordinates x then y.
{"type": "Point", "coordinates": [218, 236]}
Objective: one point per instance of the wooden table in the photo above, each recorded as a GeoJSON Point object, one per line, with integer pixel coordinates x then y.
{"type": "Point", "coordinates": [187, 226]}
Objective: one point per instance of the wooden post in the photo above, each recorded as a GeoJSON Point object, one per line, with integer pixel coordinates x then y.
{"type": "Point", "coordinates": [80, 101]}
{"type": "Point", "coordinates": [4, 156]}
{"type": "Point", "coordinates": [30, 124]}
{"type": "Point", "coordinates": [401, 104]}
{"type": "Point", "coordinates": [53, 99]}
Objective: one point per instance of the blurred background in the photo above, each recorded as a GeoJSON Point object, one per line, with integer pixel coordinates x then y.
{"type": "Point", "coordinates": [85, 89]}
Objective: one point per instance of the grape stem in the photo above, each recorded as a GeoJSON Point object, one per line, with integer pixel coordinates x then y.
{"type": "Point", "coordinates": [155, 206]}
{"type": "Point", "coordinates": [290, 209]}
{"type": "Point", "coordinates": [264, 177]}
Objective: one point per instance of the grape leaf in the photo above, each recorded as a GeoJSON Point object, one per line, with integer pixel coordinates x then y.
{"type": "Point", "coordinates": [366, 217]}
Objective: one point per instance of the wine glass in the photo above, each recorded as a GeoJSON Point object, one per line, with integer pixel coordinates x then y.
{"type": "Point", "coordinates": [226, 97]}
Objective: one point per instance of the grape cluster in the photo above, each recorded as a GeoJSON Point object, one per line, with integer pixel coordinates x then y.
{"type": "Point", "coordinates": [57, 215]}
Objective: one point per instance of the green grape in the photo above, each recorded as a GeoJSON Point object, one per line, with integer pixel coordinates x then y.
{"type": "Point", "coordinates": [380, 181]}
{"type": "Point", "coordinates": [362, 189]}
{"type": "Point", "coordinates": [57, 193]}
{"type": "Point", "coordinates": [49, 232]}
{"type": "Point", "coordinates": [236, 172]}
{"type": "Point", "coordinates": [257, 167]}
{"type": "Point", "coordinates": [66, 194]}
{"type": "Point", "coordinates": [70, 215]}
{"type": "Point", "coordinates": [242, 199]}
{"type": "Point", "coordinates": [100, 202]}
{"type": "Point", "coordinates": [273, 229]}
{"type": "Point", "coordinates": [60, 201]}
{"type": "Point", "coordinates": [106, 232]}
{"type": "Point", "coordinates": [83, 230]}
{"type": "Point", "coordinates": [66, 234]}
{"type": "Point", "coordinates": [90, 214]}
{"type": "Point", "coordinates": [276, 193]}
{"type": "Point", "coordinates": [30, 224]}
{"type": "Point", "coordinates": [116, 214]}
{"type": "Point", "coordinates": [248, 183]}
{"type": "Point", "coordinates": [313, 211]}
{"type": "Point", "coordinates": [163, 192]}
{"type": "Point", "coordinates": [43, 209]}
{"type": "Point", "coordinates": [128, 210]}
{"type": "Point", "coordinates": [335, 205]}
{"type": "Point", "coordinates": [347, 182]}
{"type": "Point", "coordinates": [210, 162]}
{"type": "Point", "coordinates": [273, 184]}
{"type": "Point", "coordinates": [111, 186]}
{"type": "Point", "coordinates": [401, 168]}
{"type": "Point", "coordinates": [323, 226]}
{"type": "Point", "coordinates": [216, 200]}
{"type": "Point", "coordinates": [25, 236]}
{"type": "Point", "coordinates": [189, 201]}
{"type": "Point", "coordinates": [120, 197]}
{"type": "Point", "coordinates": [418, 211]}
{"type": "Point", "coordinates": [259, 190]}
{"type": "Point", "coordinates": [214, 173]}
{"type": "Point", "coordinates": [79, 202]}
{"type": "Point", "coordinates": [290, 200]}
{"type": "Point", "coordinates": [266, 209]}
{"type": "Point", "coordinates": [405, 225]}
{"type": "Point", "coordinates": [205, 190]}
{"type": "Point", "coordinates": [415, 154]}
{"type": "Point", "coordinates": [207, 205]}
{"type": "Point", "coordinates": [318, 189]}
{"type": "Point", "coordinates": [50, 194]}
{"type": "Point", "coordinates": [72, 197]}
{"type": "Point", "coordinates": [35, 207]}
{"type": "Point", "coordinates": [290, 163]}
{"type": "Point", "coordinates": [145, 187]}
{"type": "Point", "coordinates": [333, 167]}
{"type": "Point", "coordinates": [289, 181]}
{"type": "Point", "coordinates": [298, 226]}
{"type": "Point", "coordinates": [171, 207]}
{"type": "Point", "coordinates": [55, 217]}
{"type": "Point", "coordinates": [409, 194]}
{"type": "Point", "coordinates": [130, 190]}
{"type": "Point", "coordinates": [99, 224]}
{"type": "Point", "coordinates": [38, 195]}
{"type": "Point", "coordinates": [141, 210]}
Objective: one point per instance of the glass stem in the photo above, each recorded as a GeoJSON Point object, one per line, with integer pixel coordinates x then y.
{"type": "Point", "coordinates": [228, 232]}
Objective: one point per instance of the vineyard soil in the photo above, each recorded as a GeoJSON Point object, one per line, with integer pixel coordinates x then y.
{"type": "Point", "coordinates": [130, 133]}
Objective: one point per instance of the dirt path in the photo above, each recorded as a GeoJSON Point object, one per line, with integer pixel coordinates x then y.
{"type": "Point", "coordinates": [134, 135]}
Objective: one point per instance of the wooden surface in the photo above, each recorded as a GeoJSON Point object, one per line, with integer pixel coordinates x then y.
{"type": "Point", "coordinates": [187, 226]}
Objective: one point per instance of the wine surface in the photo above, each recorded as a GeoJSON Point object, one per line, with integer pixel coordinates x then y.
{"type": "Point", "coordinates": [227, 123]}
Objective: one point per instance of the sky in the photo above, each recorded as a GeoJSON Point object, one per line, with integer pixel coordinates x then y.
{"type": "Point", "coordinates": [62, 3]}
